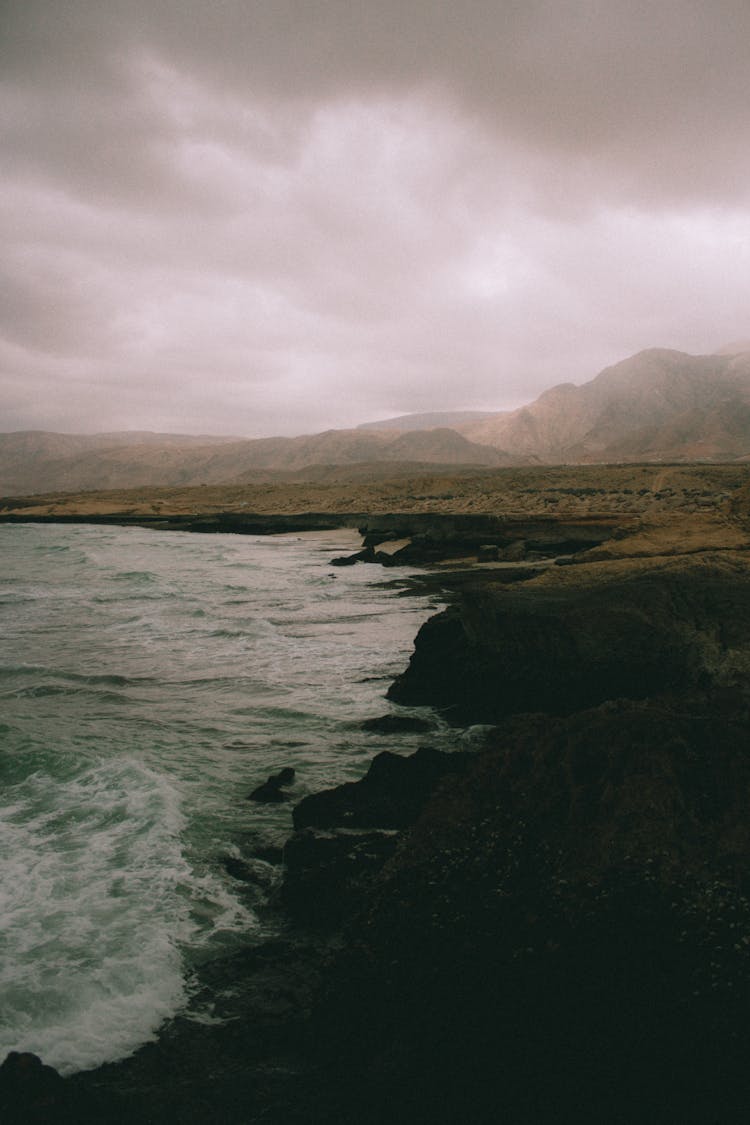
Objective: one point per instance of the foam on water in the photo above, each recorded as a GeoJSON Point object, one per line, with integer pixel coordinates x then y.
{"type": "Point", "coordinates": [92, 909]}
{"type": "Point", "coordinates": [148, 682]}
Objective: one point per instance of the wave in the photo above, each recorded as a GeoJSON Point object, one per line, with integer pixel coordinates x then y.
{"type": "Point", "coordinates": [98, 903]}
{"type": "Point", "coordinates": [113, 679]}
{"type": "Point", "coordinates": [171, 695]}
{"type": "Point", "coordinates": [49, 691]}
{"type": "Point", "coordinates": [144, 576]}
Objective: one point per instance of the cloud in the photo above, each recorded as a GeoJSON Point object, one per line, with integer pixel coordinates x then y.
{"type": "Point", "coordinates": [273, 218]}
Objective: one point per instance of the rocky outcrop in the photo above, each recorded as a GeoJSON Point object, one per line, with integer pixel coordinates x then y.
{"type": "Point", "coordinates": [562, 643]}
{"type": "Point", "coordinates": [390, 795]}
{"type": "Point", "coordinates": [564, 936]}
{"type": "Point", "coordinates": [344, 836]}
{"type": "Point", "coordinates": [272, 790]}
{"type": "Point", "coordinates": [397, 724]}
{"type": "Point", "coordinates": [30, 1091]}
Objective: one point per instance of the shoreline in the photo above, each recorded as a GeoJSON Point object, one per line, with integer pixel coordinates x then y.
{"type": "Point", "coordinates": [574, 897]}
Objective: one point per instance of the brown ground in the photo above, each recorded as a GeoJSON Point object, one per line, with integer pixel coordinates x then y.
{"type": "Point", "coordinates": [660, 509]}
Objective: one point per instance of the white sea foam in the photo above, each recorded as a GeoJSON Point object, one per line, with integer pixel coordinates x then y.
{"type": "Point", "coordinates": [140, 706]}
{"type": "Point", "coordinates": [97, 900]}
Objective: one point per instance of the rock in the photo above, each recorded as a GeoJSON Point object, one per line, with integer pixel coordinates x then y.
{"type": "Point", "coordinates": [562, 937]}
{"type": "Point", "coordinates": [563, 643]}
{"type": "Point", "coordinates": [253, 872]}
{"type": "Point", "coordinates": [390, 795]}
{"type": "Point", "coordinates": [30, 1091]}
{"type": "Point", "coordinates": [488, 552]}
{"type": "Point", "coordinates": [365, 555]}
{"type": "Point", "coordinates": [268, 794]}
{"type": "Point", "coordinates": [285, 776]}
{"type": "Point", "coordinates": [329, 873]}
{"type": "Point", "coordinates": [397, 724]}
{"type": "Point", "coordinates": [237, 868]}
{"type": "Point", "coordinates": [515, 552]}
{"type": "Point", "coordinates": [270, 791]}
{"type": "Point", "coordinates": [269, 854]}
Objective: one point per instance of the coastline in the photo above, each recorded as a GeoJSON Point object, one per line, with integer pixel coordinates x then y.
{"type": "Point", "coordinates": [544, 929]}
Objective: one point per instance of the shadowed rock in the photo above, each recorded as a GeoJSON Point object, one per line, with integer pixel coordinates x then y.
{"type": "Point", "coordinates": [562, 937]}
{"type": "Point", "coordinates": [328, 874]}
{"type": "Point", "coordinates": [270, 791]}
{"type": "Point", "coordinates": [397, 724]}
{"type": "Point", "coordinates": [390, 795]}
{"type": "Point", "coordinates": [559, 648]}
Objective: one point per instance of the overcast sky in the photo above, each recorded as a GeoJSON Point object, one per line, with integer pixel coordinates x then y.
{"type": "Point", "coordinates": [276, 216]}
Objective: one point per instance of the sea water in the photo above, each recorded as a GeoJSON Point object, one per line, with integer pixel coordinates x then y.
{"type": "Point", "coordinates": [149, 680]}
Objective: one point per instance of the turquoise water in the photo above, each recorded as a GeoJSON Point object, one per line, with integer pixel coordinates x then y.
{"type": "Point", "coordinates": [148, 682]}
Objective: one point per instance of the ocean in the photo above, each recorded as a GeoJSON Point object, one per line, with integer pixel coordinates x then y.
{"type": "Point", "coordinates": [149, 680]}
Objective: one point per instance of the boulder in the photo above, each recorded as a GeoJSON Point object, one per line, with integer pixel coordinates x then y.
{"type": "Point", "coordinates": [365, 555]}
{"type": "Point", "coordinates": [390, 795]}
{"type": "Point", "coordinates": [397, 724]}
{"type": "Point", "coordinates": [30, 1092]}
{"type": "Point", "coordinates": [270, 792]}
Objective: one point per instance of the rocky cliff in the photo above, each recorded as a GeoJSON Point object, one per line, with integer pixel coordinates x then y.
{"type": "Point", "coordinates": [564, 933]}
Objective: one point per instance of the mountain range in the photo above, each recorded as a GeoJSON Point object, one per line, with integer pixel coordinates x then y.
{"type": "Point", "coordinates": [658, 405]}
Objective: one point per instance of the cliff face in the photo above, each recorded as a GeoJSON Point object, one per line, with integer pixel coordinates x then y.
{"type": "Point", "coordinates": [572, 640]}
{"type": "Point", "coordinates": [564, 934]}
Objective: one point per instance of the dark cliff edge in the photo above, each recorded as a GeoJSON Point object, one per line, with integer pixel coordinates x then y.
{"type": "Point", "coordinates": [552, 929]}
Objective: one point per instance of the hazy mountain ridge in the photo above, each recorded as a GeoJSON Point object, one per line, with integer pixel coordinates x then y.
{"type": "Point", "coordinates": [32, 462]}
{"type": "Point", "coordinates": [657, 405]}
{"type": "Point", "coordinates": [436, 419]}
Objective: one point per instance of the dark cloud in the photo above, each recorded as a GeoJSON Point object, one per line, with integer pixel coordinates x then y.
{"type": "Point", "coordinates": [254, 217]}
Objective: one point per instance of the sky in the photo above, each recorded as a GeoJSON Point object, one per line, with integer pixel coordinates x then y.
{"type": "Point", "coordinates": [262, 217]}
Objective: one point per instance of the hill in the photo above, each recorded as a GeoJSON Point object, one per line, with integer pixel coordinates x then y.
{"type": "Point", "coordinates": [33, 462]}
{"type": "Point", "coordinates": [438, 419]}
{"type": "Point", "coordinates": [658, 405]}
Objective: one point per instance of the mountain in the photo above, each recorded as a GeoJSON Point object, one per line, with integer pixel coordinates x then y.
{"type": "Point", "coordinates": [34, 461]}
{"type": "Point", "coordinates": [436, 420]}
{"type": "Point", "coordinates": [656, 405]}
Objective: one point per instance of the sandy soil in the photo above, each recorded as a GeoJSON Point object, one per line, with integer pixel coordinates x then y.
{"type": "Point", "coordinates": [657, 509]}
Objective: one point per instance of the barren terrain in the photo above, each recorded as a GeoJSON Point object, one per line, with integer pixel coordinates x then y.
{"type": "Point", "coordinates": [651, 509]}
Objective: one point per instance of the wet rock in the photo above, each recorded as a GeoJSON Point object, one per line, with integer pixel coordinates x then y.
{"type": "Point", "coordinates": [515, 552]}
{"type": "Point", "coordinates": [254, 872]}
{"type": "Point", "coordinates": [328, 874]}
{"type": "Point", "coordinates": [390, 795]}
{"type": "Point", "coordinates": [30, 1092]}
{"type": "Point", "coordinates": [269, 854]}
{"type": "Point", "coordinates": [237, 868]}
{"type": "Point", "coordinates": [270, 792]}
{"type": "Point", "coordinates": [365, 555]}
{"type": "Point", "coordinates": [397, 724]}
